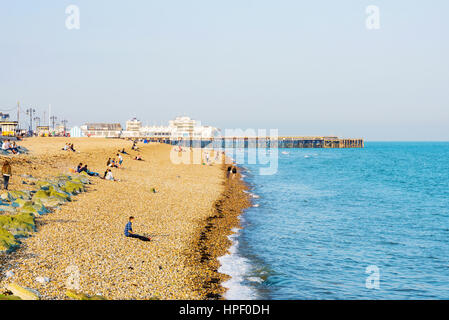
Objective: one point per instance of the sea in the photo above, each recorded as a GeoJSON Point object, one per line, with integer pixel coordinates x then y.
{"type": "Point", "coordinates": [369, 223]}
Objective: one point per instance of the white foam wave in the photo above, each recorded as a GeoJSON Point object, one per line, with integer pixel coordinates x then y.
{"type": "Point", "coordinates": [236, 267]}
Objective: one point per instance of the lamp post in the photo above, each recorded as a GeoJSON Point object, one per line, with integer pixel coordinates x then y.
{"type": "Point", "coordinates": [64, 122]}
{"type": "Point", "coordinates": [30, 112]}
{"type": "Point", "coordinates": [53, 119]}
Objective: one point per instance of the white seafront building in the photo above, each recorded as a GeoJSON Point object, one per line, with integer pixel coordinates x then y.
{"type": "Point", "coordinates": [181, 127]}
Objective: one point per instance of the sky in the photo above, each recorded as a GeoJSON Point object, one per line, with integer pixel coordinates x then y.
{"type": "Point", "coordinates": [302, 67]}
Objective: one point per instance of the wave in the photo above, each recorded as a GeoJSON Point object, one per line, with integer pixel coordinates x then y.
{"type": "Point", "coordinates": [237, 267]}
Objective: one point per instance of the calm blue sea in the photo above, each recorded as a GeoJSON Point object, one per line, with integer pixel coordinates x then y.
{"type": "Point", "coordinates": [328, 214]}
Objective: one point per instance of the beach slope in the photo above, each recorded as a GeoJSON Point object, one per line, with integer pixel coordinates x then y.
{"type": "Point", "coordinates": [83, 240]}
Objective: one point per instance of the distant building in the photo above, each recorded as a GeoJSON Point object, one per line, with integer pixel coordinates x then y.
{"type": "Point", "coordinates": [43, 131]}
{"type": "Point", "coordinates": [8, 128]}
{"type": "Point", "coordinates": [133, 129]}
{"type": "Point", "coordinates": [102, 130]}
{"type": "Point", "coordinates": [76, 132]}
{"type": "Point", "coordinates": [157, 131]}
{"type": "Point", "coordinates": [133, 125]}
{"type": "Point", "coordinates": [181, 127]}
{"type": "Point", "coordinates": [60, 130]}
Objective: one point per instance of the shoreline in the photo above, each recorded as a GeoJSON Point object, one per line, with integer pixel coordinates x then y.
{"type": "Point", "coordinates": [213, 239]}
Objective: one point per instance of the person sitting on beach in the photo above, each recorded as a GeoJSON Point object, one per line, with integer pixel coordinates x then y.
{"type": "Point", "coordinates": [71, 147]}
{"type": "Point", "coordinates": [6, 145]}
{"type": "Point", "coordinates": [109, 176]}
{"type": "Point", "coordinates": [113, 164]}
{"type": "Point", "coordinates": [108, 164]}
{"type": "Point", "coordinates": [78, 169]}
{"type": "Point", "coordinates": [14, 147]}
{"type": "Point", "coordinates": [120, 161]}
{"type": "Point", "coordinates": [129, 233]}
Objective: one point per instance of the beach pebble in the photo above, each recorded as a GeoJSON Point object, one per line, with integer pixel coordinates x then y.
{"type": "Point", "coordinates": [9, 274]}
{"type": "Point", "coordinates": [43, 280]}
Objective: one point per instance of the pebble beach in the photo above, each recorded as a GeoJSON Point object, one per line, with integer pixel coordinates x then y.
{"type": "Point", "coordinates": [187, 209]}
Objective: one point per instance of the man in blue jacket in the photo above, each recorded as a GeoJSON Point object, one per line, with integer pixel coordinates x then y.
{"type": "Point", "coordinates": [130, 233]}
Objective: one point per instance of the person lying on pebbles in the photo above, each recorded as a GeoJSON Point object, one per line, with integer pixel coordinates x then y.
{"type": "Point", "coordinates": [90, 173]}
{"type": "Point", "coordinates": [130, 233]}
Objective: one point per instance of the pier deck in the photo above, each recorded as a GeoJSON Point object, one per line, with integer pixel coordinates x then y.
{"type": "Point", "coordinates": [266, 142]}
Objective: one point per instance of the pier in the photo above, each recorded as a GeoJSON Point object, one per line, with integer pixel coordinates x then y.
{"type": "Point", "coordinates": [265, 142]}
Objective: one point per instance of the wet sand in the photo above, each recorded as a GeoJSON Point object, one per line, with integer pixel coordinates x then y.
{"type": "Point", "coordinates": [188, 219]}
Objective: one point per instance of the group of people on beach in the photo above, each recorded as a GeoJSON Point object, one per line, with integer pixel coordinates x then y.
{"type": "Point", "coordinates": [69, 147]}
{"type": "Point", "coordinates": [83, 168]}
{"type": "Point", "coordinates": [231, 172]}
{"type": "Point", "coordinates": [113, 163]}
{"type": "Point", "coordinates": [7, 145]}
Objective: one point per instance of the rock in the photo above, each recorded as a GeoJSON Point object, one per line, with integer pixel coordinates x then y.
{"type": "Point", "coordinates": [40, 195]}
{"type": "Point", "coordinates": [29, 209]}
{"type": "Point", "coordinates": [73, 188]}
{"type": "Point", "coordinates": [58, 198]}
{"type": "Point", "coordinates": [41, 209]}
{"type": "Point", "coordinates": [5, 196]}
{"type": "Point", "coordinates": [43, 185]}
{"type": "Point", "coordinates": [7, 209]}
{"type": "Point", "coordinates": [81, 179]}
{"type": "Point", "coordinates": [60, 195]}
{"type": "Point", "coordinates": [7, 241]}
{"type": "Point", "coordinates": [9, 297]}
{"type": "Point", "coordinates": [81, 296]}
{"type": "Point", "coordinates": [23, 293]}
{"type": "Point", "coordinates": [19, 203]}
{"type": "Point", "coordinates": [52, 203]}
{"type": "Point", "coordinates": [19, 222]}
{"type": "Point", "coordinates": [19, 195]}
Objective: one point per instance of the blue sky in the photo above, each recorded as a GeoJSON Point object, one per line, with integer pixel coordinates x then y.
{"type": "Point", "coordinates": [306, 68]}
